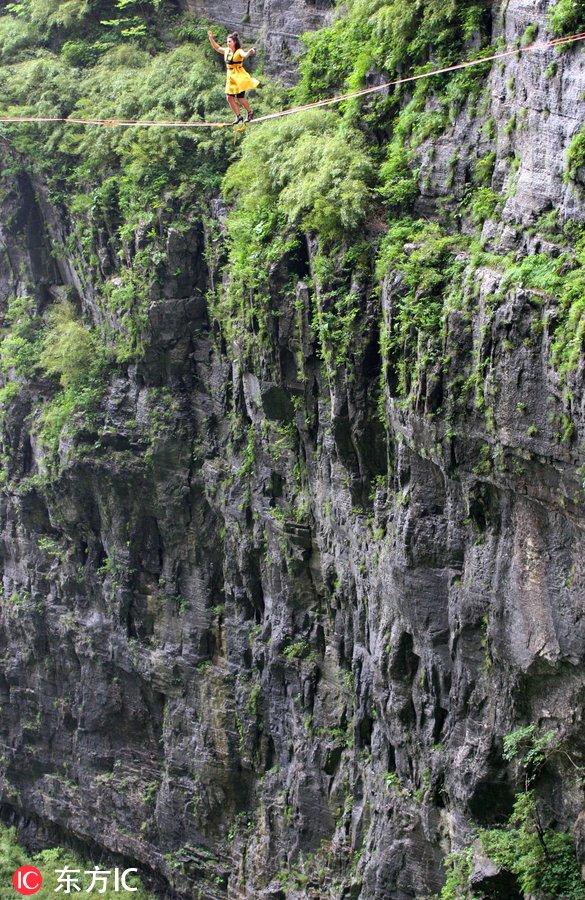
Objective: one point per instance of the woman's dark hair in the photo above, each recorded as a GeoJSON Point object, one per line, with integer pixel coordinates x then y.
{"type": "Point", "coordinates": [236, 39]}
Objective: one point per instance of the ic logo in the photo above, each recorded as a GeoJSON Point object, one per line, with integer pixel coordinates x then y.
{"type": "Point", "coordinates": [27, 880]}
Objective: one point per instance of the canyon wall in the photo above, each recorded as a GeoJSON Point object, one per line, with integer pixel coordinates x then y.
{"type": "Point", "coordinates": [216, 657]}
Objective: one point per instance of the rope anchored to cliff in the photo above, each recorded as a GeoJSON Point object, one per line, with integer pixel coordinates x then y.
{"type": "Point", "coordinates": [364, 92]}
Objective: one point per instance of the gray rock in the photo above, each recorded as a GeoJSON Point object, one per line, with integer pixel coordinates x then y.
{"type": "Point", "coordinates": [492, 882]}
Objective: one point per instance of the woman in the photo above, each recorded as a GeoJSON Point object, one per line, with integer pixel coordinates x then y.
{"type": "Point", "coordinates": [238, 80]}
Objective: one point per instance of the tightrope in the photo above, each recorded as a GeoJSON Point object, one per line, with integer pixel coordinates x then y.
{"type": "Point", "coordinates": [340, 98]}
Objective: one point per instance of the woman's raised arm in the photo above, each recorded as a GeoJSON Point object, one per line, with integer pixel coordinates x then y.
{"type": "Point", "coordinates": [250, 52]}
{"type": "Point", "coordinates": [214, 43]}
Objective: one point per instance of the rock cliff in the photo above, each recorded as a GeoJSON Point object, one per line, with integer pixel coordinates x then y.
{"type": "Point", "coordinates": [258, 638]}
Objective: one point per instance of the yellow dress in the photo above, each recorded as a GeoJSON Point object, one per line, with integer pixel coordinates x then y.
{"type": "Point", "coordinates": [238, 80]}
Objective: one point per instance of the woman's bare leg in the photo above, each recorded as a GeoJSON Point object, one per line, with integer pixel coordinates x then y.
{"type": "Point", "coordinates": [235, 106]}
{"type": "Point", "coordinates": [246, 105]}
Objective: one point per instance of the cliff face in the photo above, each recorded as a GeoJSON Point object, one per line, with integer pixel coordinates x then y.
{"type": "Point", "coordinates": [202, 677]}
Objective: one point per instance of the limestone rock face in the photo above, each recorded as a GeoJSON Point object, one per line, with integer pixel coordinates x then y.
{"type": "Point", "coordinates": [535, 114]}
{"type": "Point", "coordinates": [200, 678]}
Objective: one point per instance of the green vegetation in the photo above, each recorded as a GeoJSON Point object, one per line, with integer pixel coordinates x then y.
{"type": "Point", "coordinates": [530, 34]}
{"type": "Point", "coordinates": [297, 175]}
{"type": "Point", "coordinates": [297, 650]}
{"type": "Point", "coordinates": [254, 700]}
{"type": "Point", "coordinates": [542, 859]}
{"type": "Point", "coordinates": [117, 183]}
{"type": "Point", "coordinates": [12, 856]}
{"type": "Point", "coordinates": [391, 36]}
{"type": "Point", "coordinates": [316, 176]}
{"type": "Point", "coordinates": [567, 17]}
{"type": "Point", "coordinates": [563, 278]}
{"type": "Point", "coordinates": [392, 779]}
{"type": "Point", "coordinates": [19, 343]}
{"type": "Point", "coordinates": [57, 344]}
{"type": "Point", "coordinates": [328, 179]}
{"type": "Point", "coordinates": [428, 262]}
{"type": "Point", "coordinates": [121, 189]}
{"type": "Point", "coordinates": [484, 204]}
{"type": "Point", "coordinates": [484, 169]}
{"type": "Point", "coordinates": [529, 747]}
{"type": "Point", "coordinates": [576, 155]}
{"type": "Point", "coordinates": [72, 352]}
{"type": "Point", "coordinates": [458, 867]}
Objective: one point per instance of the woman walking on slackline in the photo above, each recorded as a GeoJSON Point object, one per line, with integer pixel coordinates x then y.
{"type": "Point", "coordinates": [238, 80]}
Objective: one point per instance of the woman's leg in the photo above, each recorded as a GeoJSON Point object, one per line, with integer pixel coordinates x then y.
{"type": "Point", "coordinates": [246, 105]}
{"type": "Point", "coordinates": [235, 106]}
